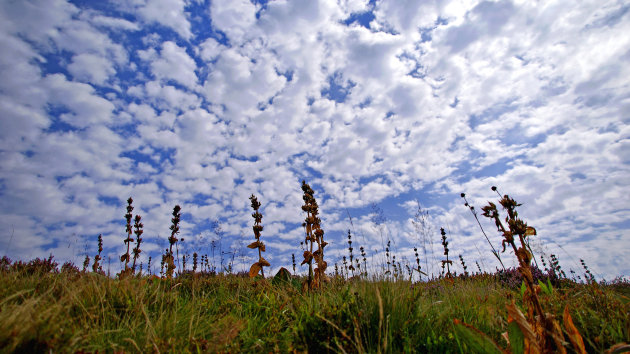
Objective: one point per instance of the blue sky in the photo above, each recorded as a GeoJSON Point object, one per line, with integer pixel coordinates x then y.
{"type": "Point", "coordinates": [382, 106]}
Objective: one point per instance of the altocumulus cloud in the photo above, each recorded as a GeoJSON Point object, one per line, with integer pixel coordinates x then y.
{"type": "Point", "coordinates": [382, 106]}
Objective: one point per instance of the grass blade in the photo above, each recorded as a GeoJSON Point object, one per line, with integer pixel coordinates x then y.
{"type": "Point", "coordinates": [476, 340]}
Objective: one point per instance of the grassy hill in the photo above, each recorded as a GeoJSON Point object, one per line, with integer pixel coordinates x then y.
{"type": "Point", "coordinates": [46, 308]}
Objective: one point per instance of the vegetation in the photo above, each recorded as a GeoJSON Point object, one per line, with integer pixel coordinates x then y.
{"type": "Point", "coordinates": [521, 310]}
{"type": "Point", "coordinates": [258, 266]}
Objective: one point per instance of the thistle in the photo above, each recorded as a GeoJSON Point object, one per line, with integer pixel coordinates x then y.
{"type": "Point", "coordinates": [258, 266]}
{"type": "Point", "coordinates": [314, 235]}
{"type": "Point", "coordinates": [588, 275]}
{"type": "Point", "coordinates": [364, 260]}
{"type": "Point", "coordinates": [96, 267]}
{"type": "Point", "coordinates": [545, 330]}
{"type": "Point", "coordinates": [461, 259]}
{"type": "Point", "coordinates": [394, 266]}
{"type": "Point", "coordinates": [181, 240]}
{"type": "Point", "coordinates": [542, 259]}
{"type": "Point", "coordinates": [86, 263]}
{"type": "Point", "coordinates": [446, 262]}
{"type": "Point", "coordinates": [126, 257]}
{"type": "Point", "coordinates": [194, 262]}
{"type": "Point", "coordinates": [169, 259]}
{"type": "Point", "coordinates": [555, 265]}
{"type": "Point", "coordinates": [138, 232]}
{"type": "Point", "coordinates": [387, 256]}
{"type": "Point", "coordinates": [418, 268]}
{"type": "Point", "coordinates": [204, 263]}
{"type": "Point", "coordinates": [351, 267]}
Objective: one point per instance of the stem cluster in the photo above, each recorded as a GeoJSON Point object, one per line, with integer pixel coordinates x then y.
{"type": "Point", "coordinates": [258, 266]}
{"type": "Point", "coordinates": [314, 236]}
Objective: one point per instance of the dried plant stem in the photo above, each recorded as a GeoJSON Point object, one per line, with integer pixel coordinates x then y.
{"type": "Point", "coordinates": [125, 257]}
{"type": "Point", "coordinates": [258, 266]}
{"type": "Point", "coordinates": [548, 330]}
{"type": "Point", "coordinates": [472, 210]}
{"type": "Point", "coordinates": [138, 232]}
{"type": "Point", "coordinates": [172, 240]}
{"type": "Point", "coordinates": [314, 235]}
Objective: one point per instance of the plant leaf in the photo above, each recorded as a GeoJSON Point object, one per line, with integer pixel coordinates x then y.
{"type": "Point", "coordinates": [618, 348]}
{"type": "Point", "coordinates": [549, 286]}
{"type": "Point", "coordinates": [523, 288]}
{"type": "Point", "coordinates": [308, 256]}
{"type": "Point", "coordinates": [530, 231]}
{"type": "Point", "coordinates": [524, 326]}
{"type": "Point", "coordinates": [253, 271]}
{"type": "Point", "coordinates": [517, 340]}
{"type": "Point", "coordinates": [263, 262]}
{"type": "Point", "coordinates": [544, 287]}
{"type": "Point", "coordinates": [253, 245]}
{"type": "Point", "coordinates": [574, 334]}
{"type": "Point", "coordinates": [476, 340]}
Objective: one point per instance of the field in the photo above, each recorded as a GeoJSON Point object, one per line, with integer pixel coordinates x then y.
{"type": "Point", "coordinates": [44, 307]}
{"type": "Point", "coordinates": [72, 311]}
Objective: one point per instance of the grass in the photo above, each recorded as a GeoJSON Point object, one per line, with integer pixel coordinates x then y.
{"type": "Point", "coordinates": [49, 308]}
{"type": "Point", "coordinates": [75, 311]}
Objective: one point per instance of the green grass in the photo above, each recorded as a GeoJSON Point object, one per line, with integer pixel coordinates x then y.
{"type": "Point", "coordinates": [70, 312]}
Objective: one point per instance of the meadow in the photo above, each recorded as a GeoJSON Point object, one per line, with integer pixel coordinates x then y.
{"type": "Point", "coordinates": [46, 307]}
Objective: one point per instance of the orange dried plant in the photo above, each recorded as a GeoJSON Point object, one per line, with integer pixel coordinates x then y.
{"type": "Point", "coordinates": [314, 236]}
{"type": "Point", "coordinates": [169, 257]}
{"type": "Point", "coordinates": [258, 266]}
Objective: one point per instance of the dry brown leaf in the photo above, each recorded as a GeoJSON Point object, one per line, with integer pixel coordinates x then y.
{"type": "Point", "coordinates": [531, 344]}
{"type": "Point", "coordinates": [253, 271]}
{"type": "Point", "coordinates": [253, 245]}
{"type": "Point", "coordinates": [263, 262]}
{"type": "Point", "coordinates": [574, 334]}
{"type": "Point", "coordinates": [618, 348]}
{"type": "Point", "coordinates": [307, 257]}
{"type": "Point", "coordinates": [557, 335]}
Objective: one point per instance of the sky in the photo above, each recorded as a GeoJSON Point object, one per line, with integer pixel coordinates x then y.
{"type": "Point", "coordinates": [386, 108]}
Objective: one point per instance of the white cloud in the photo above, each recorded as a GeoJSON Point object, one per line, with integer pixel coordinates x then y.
{"type": "Point", "coordinates": [434, 98]}
{"type": "Point", "coordinates": [407, 16]}
{"type": "Point", "coordinates": [210, 49]}
{"type": "Point", "coordinates": [91, 68]}
{"type": "Point", "coordinates": [173, 98]}
{"type": "Point", "coordinates": [353, 6]}
{"type": "Point", "coordinates": [175, 64]}
{"type": "Point", "coordinates": [169, 13]}
{"type": "Point", "coordinates": [86, 107]}
{"type": "Point", "coordinates": [115, 23]}
{"type": "Point", "coordinates": [240, 84]}
{"type": "Point", "coordinates": [234, 17]}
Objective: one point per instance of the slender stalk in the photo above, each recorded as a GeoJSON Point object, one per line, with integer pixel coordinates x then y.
{"type": "Point", "coordinates": [472, 210]}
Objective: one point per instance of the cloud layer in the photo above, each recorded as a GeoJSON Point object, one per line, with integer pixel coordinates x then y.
{"type": "Point", "coordinates": [378, 105]}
